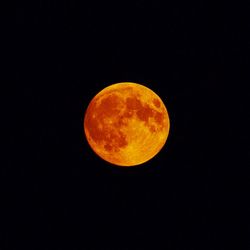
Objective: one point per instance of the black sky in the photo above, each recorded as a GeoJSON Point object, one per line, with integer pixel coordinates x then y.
{"type": "Point", "coordinates": [193, 195]}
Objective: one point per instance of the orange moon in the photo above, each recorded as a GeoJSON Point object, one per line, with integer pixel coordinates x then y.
{"type": "Point", "coordinates": [126, 124]}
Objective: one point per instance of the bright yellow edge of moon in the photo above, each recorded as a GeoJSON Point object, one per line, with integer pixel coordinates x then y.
{"type": "Point", "coordinates": [126, 124]}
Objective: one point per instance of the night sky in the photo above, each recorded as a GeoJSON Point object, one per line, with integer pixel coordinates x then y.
{"type": "Point", "coordinates": [58, 194]}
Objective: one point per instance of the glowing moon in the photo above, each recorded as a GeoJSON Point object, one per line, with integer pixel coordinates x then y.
{"type": "Point", "coordinates": [126, 124]}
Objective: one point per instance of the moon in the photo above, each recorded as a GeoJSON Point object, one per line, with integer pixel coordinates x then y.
{"type": "Point", "coordinates": [126, 124]}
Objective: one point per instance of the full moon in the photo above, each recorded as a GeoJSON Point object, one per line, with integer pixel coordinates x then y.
{"type": "Point", "coordinates": [126, 124]}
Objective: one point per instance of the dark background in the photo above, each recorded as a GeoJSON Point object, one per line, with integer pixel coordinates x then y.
{"type": "Point", "coordinates": [57, 194]}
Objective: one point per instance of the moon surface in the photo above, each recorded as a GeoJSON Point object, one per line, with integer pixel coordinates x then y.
{"type": "Point", "coordinates": [126, 124]}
